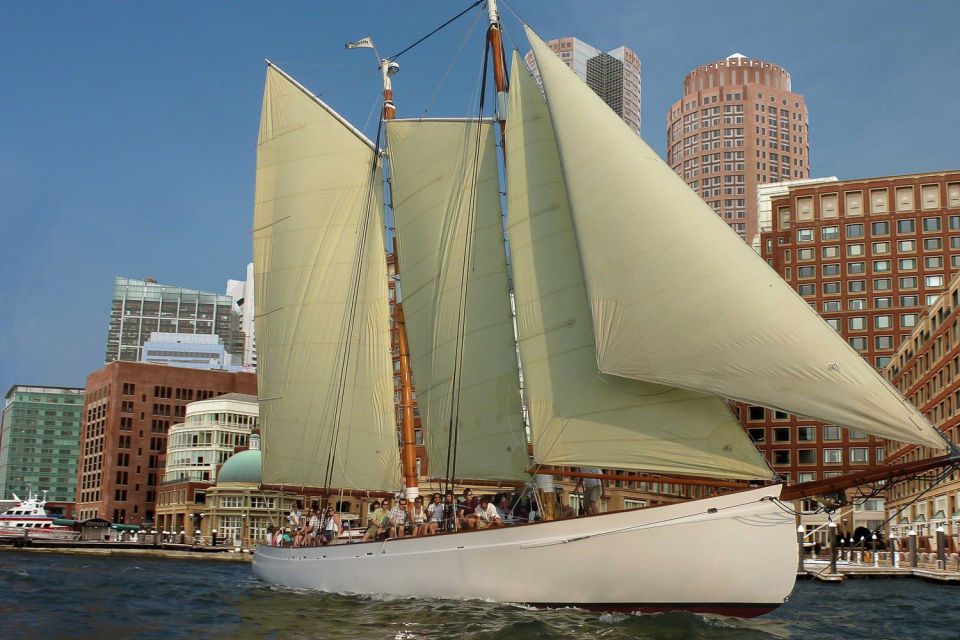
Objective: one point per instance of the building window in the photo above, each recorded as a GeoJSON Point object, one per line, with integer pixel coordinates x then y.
{"type": "Point", "coordinates": [908, 282]}
{"type": "Point", "coordinates": [854, 250]}
{"type": "Point", "coordinates": [931, 224]}
{"type": "Point", "coordinates": [932, 244]}
{"type": "Point", "coordinates": [933, 281]}
{"type": "Point", "coordinates": [908, 320]}
{"type": "Point", "coordinates": [856, 286]}
{"type": "Point", "coordinates": [806, 434]}
{"type": "Point", "coordinates": [781, 456]}
{"type": "Point", "coordinates": [807, 289]}
{"type": "Point", "coordinates": [806, 272]}
{"type": "Point", "coordinates": [757, 435]}
{"type": "Point", "coordinates": [832, 269]}
{"type": "Point", "coordinates": [830, 233]}
{"type": "Point", "coordinates": [907, 264]}
{"type": "Point", "coordinates": [882, 322]}
{"type": "Point", "coordinates": [831, 305]}
{"type": "Point", "coordinates": [881, 247]}
{"type": "Point", "coordinates": [755, 414]}
{"type": "Point", "coordinates": [857, 323]}
{"type": "Point", "coordinates": [883, 302]}
{"type": "Point", "coordinates": [806, 476]}
{"type": "Point", "coordinates": [805, 235]}
{"type": "Point", "coordinates": [883, 342]}
{"type": "Point", "coordinates": [906, 226]}
{"type": "Point", "coordinates": [859, 455]}
{"type": "Point", "coordinates": [833, 251]}
{"type": "Point", "coordinates": [834, 323]}
{"type": "Point", "coordinates": [881, 266]}
{"type": "Point", "coordinates": [856, 230]}
{"type": "Point", "coordinates": [860, 344]}
{"type": "Point", "coordinates": [833, 456]}
{"type": "Point", "coordinates": [807, 456]}
{"type": "Point", "coordinates": [909, 301]}
{"type": "Point", "coordinates": [933, 262]}
{"type": "Point", "coordinates": [781, 434]}
{"type": "Point", "coordinates": [882, 284]}
{"type": "Point", "coordinates": [805, 254]}
{"type": "Point", "coordinates": [857, 304]}
{"type": "Point", "coordinates": [880, 228]}
{"type": "Point", "coordinates": [882, 361]}
{"type": "Point", "coordinates": [853, 268]}
{"type": "Point", "coordinates": [831, 288]}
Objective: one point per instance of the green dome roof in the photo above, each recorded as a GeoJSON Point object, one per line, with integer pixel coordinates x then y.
{"type": "Point", "coordinates": [241, 467]}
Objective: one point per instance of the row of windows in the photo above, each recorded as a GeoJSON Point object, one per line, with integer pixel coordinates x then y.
{"type": "Point", "coordinates": [879, 284]}
{"type": "Point", "coordinates": [805, 433]}
{"type": "Point", "coordinates": [879, 266]}
{"type": "Point", "coordinates": [879, 228]}
{"type": "Point", "coordinates": [855, 455]}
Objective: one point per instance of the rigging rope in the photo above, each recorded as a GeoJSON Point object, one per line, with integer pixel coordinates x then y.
{"type": "Point", "coordinates": [445, 24]}
{"type": "Point", "coordinates": [453, 434]}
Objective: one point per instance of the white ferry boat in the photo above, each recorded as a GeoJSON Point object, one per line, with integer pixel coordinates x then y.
{"type": "Point", "coordinates": [29, 520]}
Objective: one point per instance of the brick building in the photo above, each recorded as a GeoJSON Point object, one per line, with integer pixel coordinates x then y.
{"type": "Point", "coordinates": [128, 408]}
{"type": "Point", "coordinates": [738, 124]}
{"type": "Point", "coordinates": [869, 255]}
{"type": "Point", "coordinates": [926, 370]}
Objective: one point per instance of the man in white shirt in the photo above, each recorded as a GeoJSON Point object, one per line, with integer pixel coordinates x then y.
{"type": "Point", "coordinates": [592, 491]}
{"type": "Point", "coordinates": [486, 514]}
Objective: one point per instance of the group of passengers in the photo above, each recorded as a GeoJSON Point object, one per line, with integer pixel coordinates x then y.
{"type": "Point", "coordinates": [314, 529]}
{"type": "Point", "coordinates": [438, 513]}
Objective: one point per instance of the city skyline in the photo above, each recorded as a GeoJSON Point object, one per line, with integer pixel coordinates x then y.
{"type": "Point", "coordinates": [130, 149]}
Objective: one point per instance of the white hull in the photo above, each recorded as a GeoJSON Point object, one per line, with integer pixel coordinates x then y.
{"type": "Point", "coordinates": [733, 554]}
{"type": "Point", "coordinates": [61, 535]}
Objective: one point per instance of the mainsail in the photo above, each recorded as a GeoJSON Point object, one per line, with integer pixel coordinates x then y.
{"type": "Point", "coordinates": [324, 373]}
{"type": "Point", "coordinates": [699, 309]}
{"type": "Point", "coordinates": [578, 416]}
{"type": "Point", "coordinates": [446, 201]}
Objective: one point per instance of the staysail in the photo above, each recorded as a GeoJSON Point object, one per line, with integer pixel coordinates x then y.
{"type": "Point", "coordinates": [577, 416]}
{"type": "Point", "coordinates": [704, 311]}
{"type": "Point", "coordinates": [324, 372]}
{"type": "Point", "coordinates": [446, 203]}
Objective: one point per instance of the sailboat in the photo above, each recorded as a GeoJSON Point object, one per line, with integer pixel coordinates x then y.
{"type": "Point", "coordinates": [638, 315]}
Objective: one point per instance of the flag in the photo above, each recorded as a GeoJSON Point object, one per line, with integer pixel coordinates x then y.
{"type": "Point", "coordinates": [364, 43]}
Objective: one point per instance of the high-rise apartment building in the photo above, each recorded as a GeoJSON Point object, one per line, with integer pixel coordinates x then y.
{"type": "Point", "coordinates": [869, 255]}
{"type": "Point", "coordinates": [613, 75]}
{"type": "Point", "coordinates": [738, 125]}
{"type": "Point", "coordinates": [39, 436]}
{"type": "Point", "coordinates": [926, 370]}
{"type": "Point", "coordinates": [242, 293]}
{"type": "Point", "coordinates": [142, 307]}
{"type": "Point", "coordinates": [128, 409]}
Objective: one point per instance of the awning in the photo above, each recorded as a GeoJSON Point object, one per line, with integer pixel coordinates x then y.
{"type": "Point", "coordinates": [939, 515]}
{"type": "Point", "coordinates": [63, 522]}
{"type": "Point", "coordinates": [125, 527]}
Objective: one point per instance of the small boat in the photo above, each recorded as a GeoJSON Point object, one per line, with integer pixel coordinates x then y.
{"type": "Point", "coordinates": [29, 520]}
{"type": "Point", "coordinates": [638, 315]}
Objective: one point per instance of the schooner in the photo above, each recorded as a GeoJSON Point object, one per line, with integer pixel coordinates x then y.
{"type": "Point", "coordinates": [638, 314]}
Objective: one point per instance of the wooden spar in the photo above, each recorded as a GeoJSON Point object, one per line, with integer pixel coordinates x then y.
{"type": "Point", "coordinates": [879, 474]}
{"type": "Point", "coordinates": [643, 478]}
{"type": "Point", "coordinates": [407, 432]}
{"type": "Point", "coordinates": [495, 38]}
{"type": "Point", "coordinates": [329, 493]}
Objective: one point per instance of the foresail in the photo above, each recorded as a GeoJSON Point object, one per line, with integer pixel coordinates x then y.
{"type": "Point", "coordinates": [439, 181]}
{"type": "Point", "coordinates": [318, 245]}
{"type": "Point", "coordinates": [577, 416]}
{"type": "Point", "coordinates": [678, 299]}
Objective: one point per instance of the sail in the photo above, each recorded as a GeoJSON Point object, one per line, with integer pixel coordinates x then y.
{"type": "Point", "coordinates": [577, 416]}
{"type": "Point", "coordinates": [444, 186]}
{"type": "Point", "coordinates": [678, 299]}
{"type": "Point", "coordinates": [323, 334]}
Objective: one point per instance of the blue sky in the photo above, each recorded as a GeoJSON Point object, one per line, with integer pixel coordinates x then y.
{"type": "Point", "coordinates": [127, 129]}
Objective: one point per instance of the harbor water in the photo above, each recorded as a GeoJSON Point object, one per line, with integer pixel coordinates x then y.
{"type": "Point", "coordinates": [65, 596]}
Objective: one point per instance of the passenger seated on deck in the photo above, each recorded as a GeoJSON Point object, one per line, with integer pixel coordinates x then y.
{"type": "Point", "coordinates": [434, 515]}
{"type": "Point", "coordinates": [418, 518]}
{"type": "Point", "coordinates": [375, 520]}
{"type": "Point", "coordinates": [466, 506]}
{"type": "Point", "coordinates": [449, 512]}
{"type": "Point", "coordinates": [269, 538]}
{"type": "Point", "coordinates": [397, 520]}
{"type": "Point", "coordinates": [312, 530]}
{"type": "Point", "coordinates": [332, 527]}
{"type": "Point", "coordinates": [486, 515]}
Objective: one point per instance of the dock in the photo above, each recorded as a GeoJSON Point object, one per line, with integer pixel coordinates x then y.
{"type": "Point", "coordinates": [133, 550]}
{"type": "Point", "coordinates": [820, 570]}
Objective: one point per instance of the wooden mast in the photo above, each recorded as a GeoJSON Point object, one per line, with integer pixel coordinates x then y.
{"type": "Point", "coordinates": [408, 452]}
{"type": "Point", "coordinates": [495, 38]}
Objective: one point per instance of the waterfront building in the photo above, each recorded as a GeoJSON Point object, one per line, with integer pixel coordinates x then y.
{"type": "Point", "coordinates": [189, 350]}
{"type": "Point", "coordinates": [767, 192]}
{"type": "Point", "coordinates": [738, 125]}
{"type": "Point", "coordinates": [869, 255]}
{"type": "Point", "coordinates": [242, 292]}
{"type": "Point", "coordinates": [926, 370]}
{"type": "Point", "coordinates": [142, 307]}
{"type": "Point", "coordinates": [128, 409]}
{"type": "Point", "coordinates": [39, 434]}
{"type": "Point", "coordinates": [213, 430]}
{"type": "Point", "coordinates": [613, 75]}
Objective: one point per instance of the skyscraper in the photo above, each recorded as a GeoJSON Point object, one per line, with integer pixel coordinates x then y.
{"type": "Point", "coordinates": [613, 75]}
{"type": "Point", "coordinates": [141, 307]}
{"type": "Point", "coordinates": [242, 293]}
{"type": "Point", "coordinates": [738, 125]}
{"type": "Point", "coordinates": [39, 441]}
